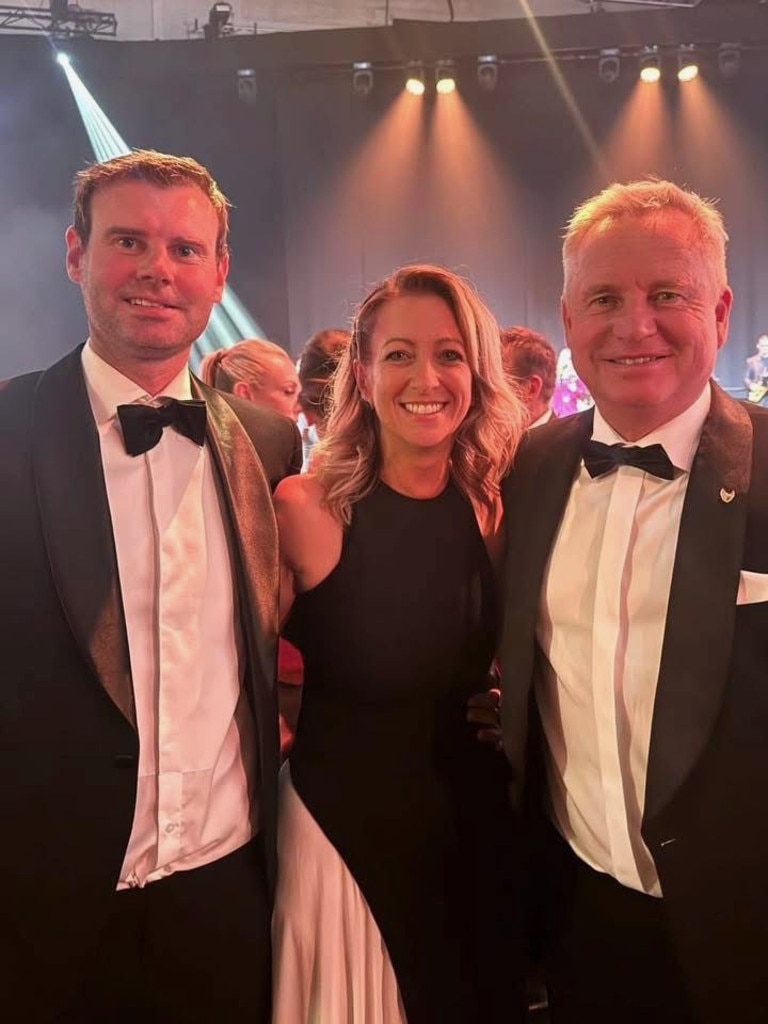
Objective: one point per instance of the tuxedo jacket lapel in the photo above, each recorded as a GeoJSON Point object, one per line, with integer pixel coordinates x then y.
{"type": "Point", "coordinates": [702, 603]}
{"type": "Point", "coordinates": [77, 527]}
{"type": "Point", "coordinates": [253, 541]}
{"type": "Point", "coordinates": [254, 534]}
{"type": "Point", "coordinates": [535, 495]}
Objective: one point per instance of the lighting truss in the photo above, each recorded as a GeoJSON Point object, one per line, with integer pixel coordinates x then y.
{"type": "Point", "coordinates": [76, 22]}
{"type": "Point", "coordinates": [598, 5]}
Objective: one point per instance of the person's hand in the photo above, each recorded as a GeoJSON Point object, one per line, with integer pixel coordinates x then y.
{"type": "Point", "coordinates": [483, 710]}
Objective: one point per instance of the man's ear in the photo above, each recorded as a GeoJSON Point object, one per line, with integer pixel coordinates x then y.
{"type": "Point", "coordinates": [222, 272]}
{"type": "Point", "coordinates": [75, 252]}
{"type": "Point", "coordinates": [723, 316]}
{"type": "Point", "coordinates": [535, 385]}
{"type": "Point", "coordinates": [565, 313]}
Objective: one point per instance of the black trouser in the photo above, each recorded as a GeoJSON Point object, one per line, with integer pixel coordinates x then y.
{"type": "Point", "coordinates": [193, 948]}
{"type": "Point", "coordinates": [608, 955]}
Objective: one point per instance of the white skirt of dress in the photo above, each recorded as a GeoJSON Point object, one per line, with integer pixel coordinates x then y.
{"type": "Point", "coordinates": [330, 962]}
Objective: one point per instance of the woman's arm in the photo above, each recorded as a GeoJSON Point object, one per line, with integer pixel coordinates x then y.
{"type": "Point", "coordinates": [310, 537]}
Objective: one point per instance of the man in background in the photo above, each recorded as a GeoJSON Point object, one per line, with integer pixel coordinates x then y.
{"type": "Point", "coordinates": [530, 363]}
{"type": "Point", "coordinates": [756, 378]}
{"type": "Point", "coordinates": [137, 628]}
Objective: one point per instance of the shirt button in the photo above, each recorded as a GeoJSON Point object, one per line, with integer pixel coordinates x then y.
{"type": "Point", "coordinates": [170, 827]}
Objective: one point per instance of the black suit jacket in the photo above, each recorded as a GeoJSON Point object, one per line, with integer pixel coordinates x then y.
{"type": "Point", "coordinates": [68, 742]}
{"type": "Point", "coordinates": [707, 787]}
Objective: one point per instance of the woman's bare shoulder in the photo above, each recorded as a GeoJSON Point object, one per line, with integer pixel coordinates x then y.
{"type": "Point", "coordinates": [310, 535]}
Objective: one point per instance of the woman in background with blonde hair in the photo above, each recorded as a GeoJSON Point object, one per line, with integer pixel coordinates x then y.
{"type": "Point", "coordinates": [394, 897]}
{"type": "Point", "coordinates": [258, 370]}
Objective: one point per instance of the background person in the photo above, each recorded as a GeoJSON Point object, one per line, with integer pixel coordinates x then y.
{"type": "Point", "coordinates": [395, 863]}
{"type": "Point", "coordinates": [530, 363]}
{"type": "Point", "coordinates": [317, 365]}
{"type": "Point", "coordinates": [637, 533]}
{"type": "Point", "coordinates": [258, 370]}
{"type": "Point", "coordinates": [756, 378]}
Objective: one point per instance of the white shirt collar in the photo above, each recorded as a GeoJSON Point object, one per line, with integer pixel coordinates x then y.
{"type": "Point", "coordinates": [108, 388]}
{"type": "Point", "coordinates": [680, 436]}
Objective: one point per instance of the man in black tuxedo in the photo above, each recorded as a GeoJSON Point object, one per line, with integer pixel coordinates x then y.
{"type": "Point", "coordinates": [531, 364]}
{"type": "Point", "coordinates": [635, 645]}
{"type": "Point", "coordinates": [138, 729]}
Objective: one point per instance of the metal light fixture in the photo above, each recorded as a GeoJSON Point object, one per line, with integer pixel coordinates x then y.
{"type": "Point", "coordinates": [414, 82]}
{"type": "Point", "coordinates": [687, 67]}
{"type": "Point", "coordinates": [445, 77]}
{"type": "Point", "coordinates": [609, 66]}
{"type": "Point", "coordinates": [487, 72]}
{"type": "Point", "coordinates": [650, 64]}
{"type": "Point", "coordinates": [219, 21]}
{"type": "Point", "coordinates": [729, 59]}
{"type": "Point", "coordinates": [247, 86]}
{"type": "Point", "coordinates": [362, 78]}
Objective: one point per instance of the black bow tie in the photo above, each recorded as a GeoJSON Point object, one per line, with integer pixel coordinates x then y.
{"type": "Point", "coordinates": [143, 424]}
{"type": "Point", "coordinates": [604, 458]}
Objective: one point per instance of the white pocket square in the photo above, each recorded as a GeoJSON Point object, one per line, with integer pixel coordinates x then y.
{"type": "Point", "coordinates": [753, 587]}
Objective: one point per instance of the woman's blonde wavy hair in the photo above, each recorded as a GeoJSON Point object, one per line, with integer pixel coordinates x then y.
{"type": "Point", "coordinates": [349, 456]}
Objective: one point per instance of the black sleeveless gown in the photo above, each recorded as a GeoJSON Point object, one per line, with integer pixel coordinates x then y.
{"type": "Point", "coordinates": [394, 641]}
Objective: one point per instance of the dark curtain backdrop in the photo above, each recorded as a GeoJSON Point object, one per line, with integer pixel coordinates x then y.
{"type": "Point", "coordinates": [331, 192]}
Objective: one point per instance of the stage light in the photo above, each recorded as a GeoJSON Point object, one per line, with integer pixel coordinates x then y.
{"type": "Point", "coordinates": [609, 66]}
{"type": "Point", "coordinates": [650, 64]}
{"type": "Point", "coordinates": [487, 72]}
{"type": "Point", "coordinates": [729, 59]}
{"type": "Point", "coordinates": [219, 21]}
{"type": "Point", "coordinates": [445, 77]}
{"type": "Point", "coordinates": [415, 80]}
{"type": "Point", "coordinates": [687, 68]}
{"type": "Point", "coordinates": [63, 59]}
{"type": "Point", "coordinates": [247, 86]}
{"type": "Point", "coordinates": [362, 78]}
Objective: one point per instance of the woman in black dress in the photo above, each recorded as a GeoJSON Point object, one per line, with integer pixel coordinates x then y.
{"type": "Point", "coordinates": [396, 881]}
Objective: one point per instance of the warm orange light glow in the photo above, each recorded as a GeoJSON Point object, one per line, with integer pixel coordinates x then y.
{"type": "Point", "coordinates": [480, 201]}
{"type": "Point", "coordinates": [641, 140]}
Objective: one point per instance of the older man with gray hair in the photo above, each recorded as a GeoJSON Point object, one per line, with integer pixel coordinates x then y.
{"type": "Point", "coordinates": [637, 627]}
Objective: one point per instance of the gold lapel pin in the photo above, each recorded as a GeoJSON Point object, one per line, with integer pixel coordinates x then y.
{"type": "Point", "coordinates": [727, 496]}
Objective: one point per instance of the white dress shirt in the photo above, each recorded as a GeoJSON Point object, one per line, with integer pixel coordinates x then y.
{"type": "Point", "coordinates": [194, 797]}
{"type": "Point", "coordinates": [601, 628]}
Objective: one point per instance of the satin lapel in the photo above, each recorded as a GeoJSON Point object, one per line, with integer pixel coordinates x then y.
{"type": "Point", "coordinates": [253, 538]}
{"type": "Point", "coordinates": [535, 495]}
{"type": "Point", "coordinates": [77, 527]}
{"type": "Point", "coordinates": [702, 602]}
{"type": "Point", "coordinates": [254, 534]}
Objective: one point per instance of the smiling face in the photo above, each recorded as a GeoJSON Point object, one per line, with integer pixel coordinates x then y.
{"type": "Point", "coordinates": [416, 375]}
{"type": "Point", "coordinates": [149, 273]}
{"type": "Point", "coordinates": [644, 318]}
